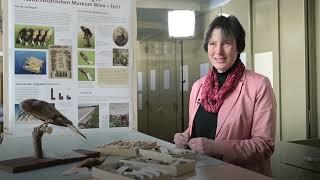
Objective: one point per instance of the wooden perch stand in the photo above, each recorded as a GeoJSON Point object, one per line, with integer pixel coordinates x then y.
{"type": "Point", "coordinates": [37, 134]}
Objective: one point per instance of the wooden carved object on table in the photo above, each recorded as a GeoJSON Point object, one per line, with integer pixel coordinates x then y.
{"type": "Point", "coordinates": [173, 166]}
{"type": "Point", "coordinates": [120, 171]}
{"type": "Point", "coordinates": [168, 153]}
{"type": "Point", "coordinates": [88, 163]}
{"type": "Point", "coordinates": [125, 148]}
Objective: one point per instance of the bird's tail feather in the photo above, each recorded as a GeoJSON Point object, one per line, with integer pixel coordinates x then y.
{"type": "Point", "coordinates": [75, 130]}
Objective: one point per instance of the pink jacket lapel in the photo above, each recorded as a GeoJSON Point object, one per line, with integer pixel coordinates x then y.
{"type": "Point", "coordinates": [228, 104]}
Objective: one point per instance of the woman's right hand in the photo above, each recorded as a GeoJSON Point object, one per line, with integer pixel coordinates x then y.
{"type": "Point", "coordinates": [181, 139]}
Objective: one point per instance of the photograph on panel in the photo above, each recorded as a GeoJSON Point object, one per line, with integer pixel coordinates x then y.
{"type": "Point", "coordinates": [25, 118]}
{"type": "Point", "coordinates": [119, 115]}
{"type": "Point", "coordinates": [30, 62]}
{"type": "Point", "coordinates": [88, 115]}
{"type": "Point", "coordinates": [120, 57]}
{"type": "Point", "coordinates": [86, 37]}
{"type": "Point", "coordinates": [120, 36]}
{"type": "Point", "coordinates": [60, 62]}
{"type": "Point", "coordinates": [86, 74]}
{"type": "Point", "coordinates": [86, 58]}
{"type": "Point", "coordinates": [33, 36]}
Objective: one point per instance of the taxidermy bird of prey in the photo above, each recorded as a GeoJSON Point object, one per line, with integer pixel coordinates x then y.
{"type": "Point", "coordinates": [46, 112]}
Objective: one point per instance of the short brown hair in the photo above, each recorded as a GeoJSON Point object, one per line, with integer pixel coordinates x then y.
{"type": "Point", "coordinates": [230, 27]}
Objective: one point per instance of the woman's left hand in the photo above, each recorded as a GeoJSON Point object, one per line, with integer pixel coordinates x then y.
{"type": "Point", "coordinates": [201, 145]}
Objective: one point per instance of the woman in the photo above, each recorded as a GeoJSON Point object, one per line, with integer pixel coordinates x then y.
{"type": "Point", "coordinates": [232, 111]}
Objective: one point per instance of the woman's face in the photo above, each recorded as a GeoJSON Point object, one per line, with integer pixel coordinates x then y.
{"type": "Point", "coordinates": [222, 51]}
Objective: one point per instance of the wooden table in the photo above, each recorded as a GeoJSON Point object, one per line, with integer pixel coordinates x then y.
{"type": "Point", "coordinates": [15, 147]}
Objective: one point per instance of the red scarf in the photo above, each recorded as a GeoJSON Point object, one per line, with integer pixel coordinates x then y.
{"type": "Point", "coordinates": [213, 97]}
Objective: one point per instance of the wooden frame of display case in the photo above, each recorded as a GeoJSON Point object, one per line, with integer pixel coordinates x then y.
{"type": "Point", "coordinates": [1, 63]}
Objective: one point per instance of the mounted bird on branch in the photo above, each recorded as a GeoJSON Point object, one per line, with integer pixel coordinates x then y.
{"type": "Point", "coordinates": [46, 112]}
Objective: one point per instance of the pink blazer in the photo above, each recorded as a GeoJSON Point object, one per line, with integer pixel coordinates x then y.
{"type": "Point", "coordinates": [246, 127]}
